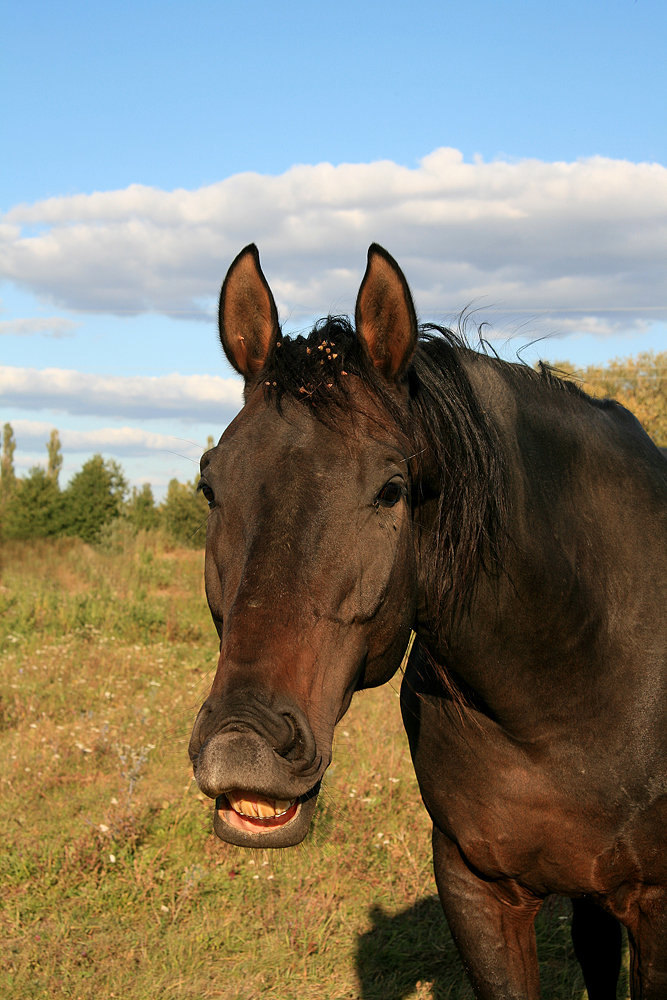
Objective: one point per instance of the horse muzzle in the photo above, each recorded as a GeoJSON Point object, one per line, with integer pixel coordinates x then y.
{"type": "Point", "coordinates": [263, 770]}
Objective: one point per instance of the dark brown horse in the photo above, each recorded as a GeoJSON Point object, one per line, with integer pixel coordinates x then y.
{"type": "Point", "coordinates": [392, 479]}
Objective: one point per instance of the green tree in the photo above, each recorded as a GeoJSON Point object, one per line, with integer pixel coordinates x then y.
{"type": "Point", "coordinates": [55, 456]}
{"type": "Point", "coordinates": [34, 507]}
{"type": "Point", "coordinates": [93, 498]}
{"type": "Point", "coordinates": [184, 512]}
{"type": "Point", "coordinates": [140, 509]}
{"type": "Point", "coordinates": [7, 474]}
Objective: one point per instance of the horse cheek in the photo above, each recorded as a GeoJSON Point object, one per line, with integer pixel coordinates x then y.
{"type": "Point", "coordinates": [395, 616]}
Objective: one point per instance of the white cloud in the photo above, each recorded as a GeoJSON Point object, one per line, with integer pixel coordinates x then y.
{"type": "Point", "coordinates": [588, 237]}
{"type": "Point", "coordinates": [206, 398]}
{"type": "Point", "coordinates": [32, 435]}
{"type": "Point", "coordinates": [47, 326]}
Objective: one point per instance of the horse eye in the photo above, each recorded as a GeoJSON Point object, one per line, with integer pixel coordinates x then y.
{"type": "Point", "coordinates": [209, 496]}
{"type": "Point", "coordinates": [390, 494]}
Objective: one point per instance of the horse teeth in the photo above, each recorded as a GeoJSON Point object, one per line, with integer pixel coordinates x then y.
{"type": "Point", "coordinates": [282, 805]}
{"type": "Point", "coordinates": [258, 808]}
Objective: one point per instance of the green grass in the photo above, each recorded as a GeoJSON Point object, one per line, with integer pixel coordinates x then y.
{"type": "Point", "coordinates": [113, 884]}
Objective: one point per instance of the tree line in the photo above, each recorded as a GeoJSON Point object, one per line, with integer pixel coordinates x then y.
{"type": "Point", "coordinates": [98, 497]}
{"type": "Point", "coordinates": [638, 383]}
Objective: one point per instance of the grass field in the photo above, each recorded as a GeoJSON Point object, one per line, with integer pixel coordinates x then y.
{"type": "Point", "coordinates": [112, 882]}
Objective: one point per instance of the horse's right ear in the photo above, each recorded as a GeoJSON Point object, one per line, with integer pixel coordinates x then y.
{"type": "Point", "coordinates": [247, 316]}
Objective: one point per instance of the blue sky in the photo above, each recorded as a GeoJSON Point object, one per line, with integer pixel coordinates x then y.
{"type": "Point", "coordinates": [512, 156]}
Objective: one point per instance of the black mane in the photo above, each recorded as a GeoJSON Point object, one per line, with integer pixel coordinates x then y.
{"type": "Point", "coordinates": [313, 369]}
{"type": "Point", "coordinates": [308, 368]}
{"type": "Point", "coordinates": [454, 441]}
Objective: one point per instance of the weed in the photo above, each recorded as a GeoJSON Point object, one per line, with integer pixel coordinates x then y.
{"type": "Point", "coordinates": [112, 879]}
{"type": "Point", "coordinates": [133, 763]}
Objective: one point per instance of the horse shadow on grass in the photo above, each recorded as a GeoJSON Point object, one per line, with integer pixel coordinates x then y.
{"type": "Point", "coordinates": [412, 953]}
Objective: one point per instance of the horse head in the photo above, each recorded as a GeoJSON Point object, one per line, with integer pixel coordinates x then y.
{"type": "Point", "coordinates": [310, 557]}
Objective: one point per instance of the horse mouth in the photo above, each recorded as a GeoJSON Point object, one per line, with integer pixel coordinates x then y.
{"type": "Point", "coordinates": [255, 814]}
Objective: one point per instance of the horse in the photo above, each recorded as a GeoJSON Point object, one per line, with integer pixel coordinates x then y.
{"type": "Point", "coordinates": [389, 479]}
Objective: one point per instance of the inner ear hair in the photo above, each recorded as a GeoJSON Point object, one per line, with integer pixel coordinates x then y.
{"type": "Point", "coordinates": [248, 318]}
{"type": "Point", "coordinates": [385, 314]}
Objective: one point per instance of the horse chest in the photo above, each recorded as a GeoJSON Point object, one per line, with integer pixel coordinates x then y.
{"type": "Point", "coordinates": [511, 815]}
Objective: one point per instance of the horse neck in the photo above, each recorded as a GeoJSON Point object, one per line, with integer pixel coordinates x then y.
{"type": "Point", "coordinates": [536, 609]}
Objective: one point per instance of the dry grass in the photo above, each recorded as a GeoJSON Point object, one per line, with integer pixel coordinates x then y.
{"type": "Point", "coordinates": [113, 885]}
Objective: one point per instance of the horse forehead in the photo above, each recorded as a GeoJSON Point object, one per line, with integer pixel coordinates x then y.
{"type": "Point", "coordinates": [264, 438]}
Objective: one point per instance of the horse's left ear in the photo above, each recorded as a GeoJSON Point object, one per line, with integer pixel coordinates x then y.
{"type": "Point", "coordinates": [385, 314]}
{"type": "Point", "coordinates": [247, 317]}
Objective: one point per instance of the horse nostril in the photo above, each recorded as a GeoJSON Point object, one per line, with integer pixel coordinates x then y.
{"type": "Point", "coordinates": [291, 745]}
{"type": "Point", "coordinates": [298, 744]}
